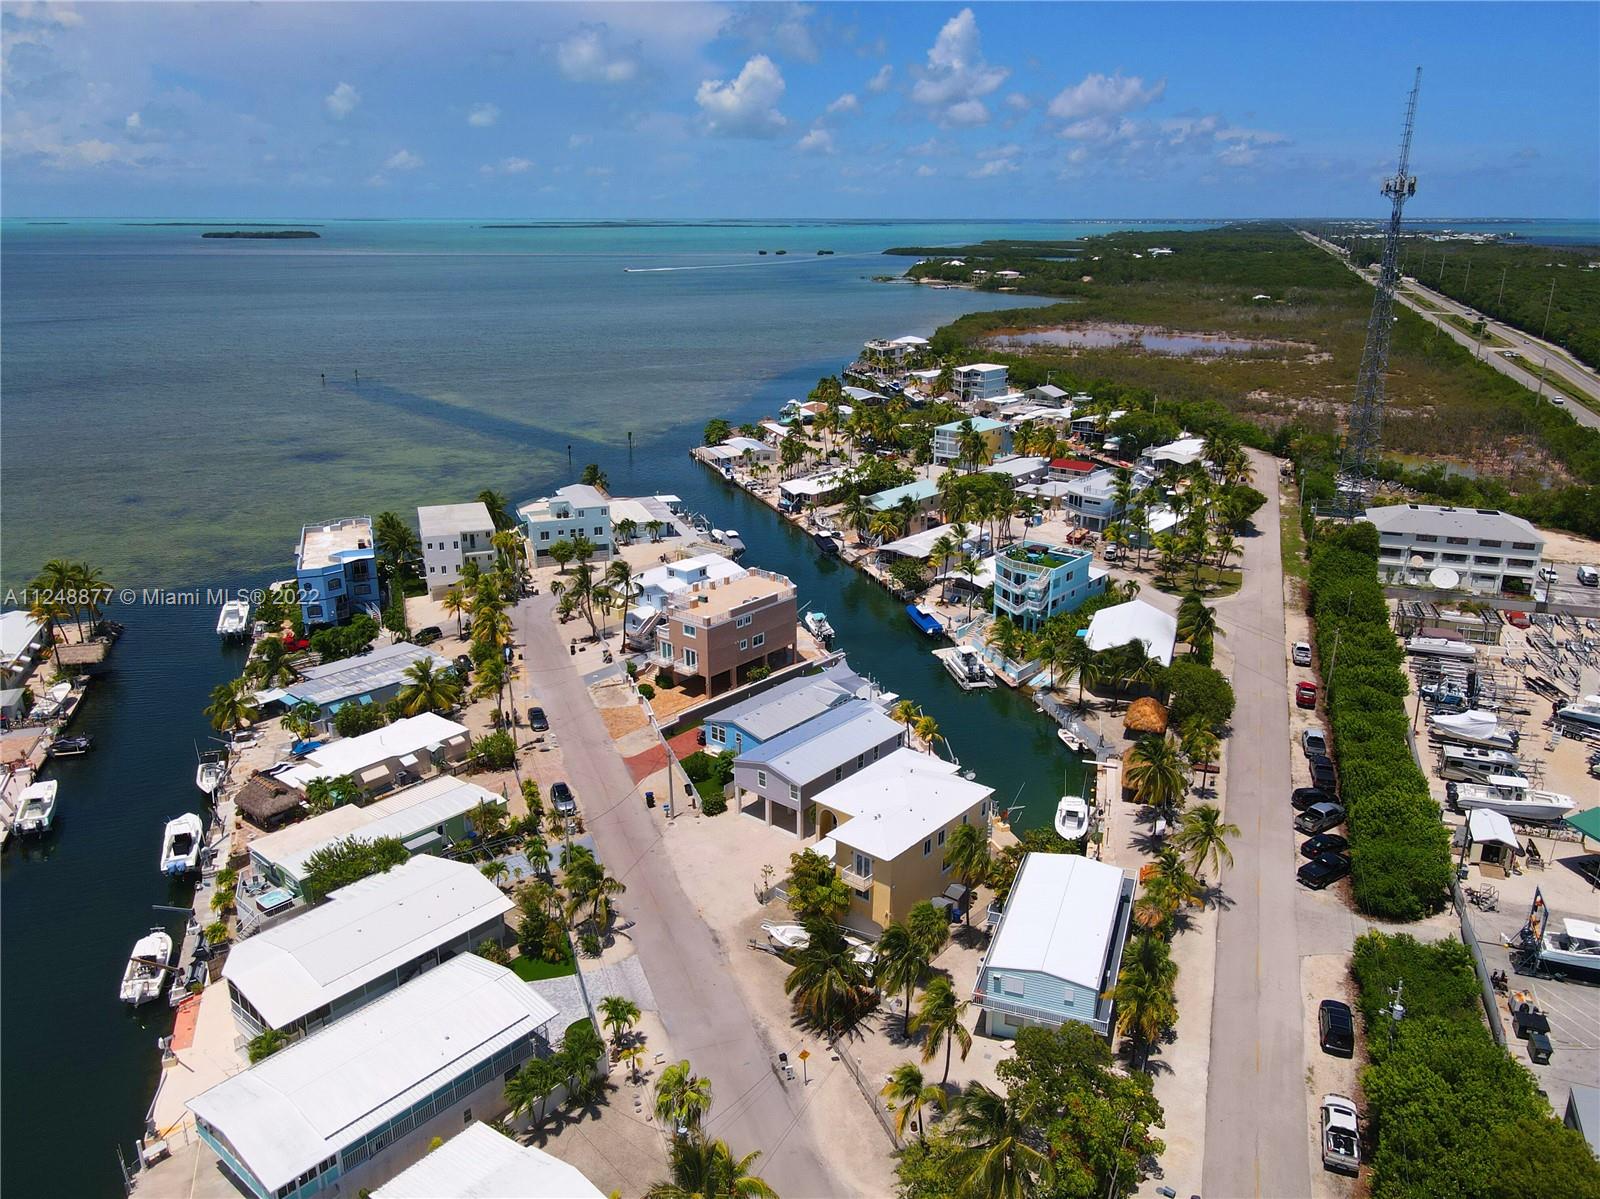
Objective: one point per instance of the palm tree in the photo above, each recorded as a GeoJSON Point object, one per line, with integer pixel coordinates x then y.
{"type": "Point", "coordinates": [998, 1159]}
{"type": "Point", "coordinates": [499, 509]}
{"type": "Point", "coordinates": [619, 580]}
{"type": "Point", "coordinates": [939, 1017]}
{"type": "Point", "coordinates": [654, 527]}
{"type": "Point", "coordinates": [270, 664]}
{"type": "Point", "coordinates": [908, 1094]}
{"type": "Point", "coordinates": [886, 525]}
{"type": "Point", "coordinates": [1197, 625]}
{"type": "Point", "coordinates": [618, 1014]}
{"type": "Point", "coordinates": [428, 689]}
{"type": "Point", "coordinates": [396, 541]}
{"type": "Point", "coordinates": [626, 529]}
{"type": "Point", "coordinates": [944, 548]}
{"type": "Point", "coordinates": [902, 959]}
{"type": "Point", "coordinates": [682, 1097]}
{"type": "Point", "coordinates": [905, 712]}
{"type": "Point", "coordinates": [927, 730]}
{"type": "Point", "coordinates": [1157, 774]}
{"type": "Point", "coordinates": [589, 886]}
{"type": "Point", "coordinates": [967, 853]}
{"type": "Point", "coordinates": [455, 603]}
{"type": "Point", "coordinates": [509, 547]}
{"type": "Point", "coordinates": [856, 512]}
{"type": "Point", "coordinates": [707, 1169]}
{"type": "Point", "coordinates": [233, 705]}
{"type": "Point", "coordinates": [1146, 1006]}
{"type": "Point", "coordinates": [529, 1088]}
{"type": "Point", "coordinates": [830, 990]}
{"type": "Point", "coordinates": [1169, 887]}
{"type": "Point", "coordinates": [1203, 836]}
{"type": "Point", "coordinates": [1052, 651]}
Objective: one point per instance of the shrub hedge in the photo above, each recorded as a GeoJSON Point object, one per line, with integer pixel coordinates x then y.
{"type": "Point", "coordinates": [1399, 849]}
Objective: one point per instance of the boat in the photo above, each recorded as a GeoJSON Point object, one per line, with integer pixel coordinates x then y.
{"type": "Point", "coordinates": [817, 625]}
{"type": "Point", "coordinates": [233, 622]}
{"type": "Point", "coordinates": [1475, 727]}
{"type": "Point", "coordinates": [829, 541]}
{"type": "Point", "coordinates": [1585, 711]}
{"type": "Point", "coordinates": [729, 540]}
{"type": "Point", "coordinates": [1474, 764]}
{"type": "Point", "coordinates": [71, 747]}
{"type": "Point", "coordinates": [51, 705]}
{"type": "Point", "coordinates": [1072, 741]}
{"type": "Point", "coordinates": [147, 967]}
{"type": "Point", "coordinates": [180, 845]}
{"type": "Point", "coordinates": [1440, 647]}
{"type": "Point", "coordinates": [1072, 817]}
{"type": "Point", "coordinates": [966, 667]}
{"type": "Point", "coordinates": [925, 621]}
{"type": "Point", "coordinates": [211, 772]}
{"type": "Point", "coordinates": [36, 809]}
{"type": "Point", "coordinates": [1512, 797]}
{"type": "Point", "coordinates": [795, 936]}
{"type": "Point", "coordinates": [1575, 949]}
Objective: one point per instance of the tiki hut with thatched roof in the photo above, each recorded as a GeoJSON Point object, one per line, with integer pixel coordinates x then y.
{"type": "Point", "coordinates": [1146, 717]}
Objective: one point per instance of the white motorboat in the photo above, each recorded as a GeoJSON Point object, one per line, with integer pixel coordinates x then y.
{"type": "Point", "coordinates": [729, 540]}
{"type": "Point", "coordinates": [817, 625]}
{"type": "Point", "coordinates": [180, 844]}
{"type": "Point", "coordinates": [1072, 741]}
{"type": "Point", "coordinates": [966, 667]}
{"type": "Point", "coordinates": [211, 772]}
{"type": "Point", "coordinates": [1474, 764]}
{"type": "Point", "coordinates": [233, 622]}
{"type": "Point", "coordinates": [1511, 796]}
{"type": "Point", "coordinates": [36, 809]}
{"type": "Point", "coordinates": [795, 936]}
{"type": "Point", "coordinates": [1585, 711]}
{"type": "Point", "coordinates": [1072, 817]}
{"type": "Point", "coordinates": [1440, 647]}
{"type": "Point", "coordinates": [1575, 949]}
{"type": "Point", "coordinates": [147, 967]}
{"type": "Point", "coordinates": [1476, 727]}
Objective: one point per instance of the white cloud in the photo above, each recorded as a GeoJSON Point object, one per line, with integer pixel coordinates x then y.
{"type": "Point", "coordinates": [745, 106]}
{"type": "Point", "coordinates": [1018, 102]}
{"type": "Point", "coordinates": [784, 28]}
{"type": "Point", "coordinates": [134, 122]}
{"type": "Point", "coordinates": [483, 115]}
{"type": "Point", "coordinates": [377, 181]}
{"type": "Point", "coordinates": [926, 172]}
{"type": "Point", "coordinates": [402, 160]}
{"type": "Point", "coordinates": [994, 168]}
{"type": "Point", "coordinates": [930, 147]}
{"type": "Point", "coordinates": [1105, 96]}
{"type": "Point", "coordinates": [341, 101]}
{"type": "Point", "coordinates": [584, 58]}
{"type": "Point", "coordinates": [578, 140]}
{"type": "Point", "coordinates": [1009, 150]}
{"type": "Point", "coordinates": [1102, 129]}
{"type": "Point", "coordinates": [879, 83]}
{"type": "Point", "coordinates": [516, 166]}
{"type": "Point", "coordinates": [844, 104]}
{"type": "Point", "coordinates": [818, 141]}
{"type": "Point", "coordinates": [957, 76]}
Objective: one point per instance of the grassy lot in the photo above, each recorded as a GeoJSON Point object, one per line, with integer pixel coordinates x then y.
{"type": "Point", "coordinates": [1291, 540]}
{"type": "Point", "coordinates": [531, 970]}
{"type": "Point", "coordinates": [1213, 583]}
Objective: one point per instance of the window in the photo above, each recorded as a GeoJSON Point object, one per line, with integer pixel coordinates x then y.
{"type": "Point", "coordinates": [690, 631]}
{"type": "Point", "coordinates": [691, 659]}
{"type": "Point", "coordinates": [744, 644]}
{"type": "Point", "coordinates": [794, 793]}
{"type": "Point", "coordinates": [838, 773]}
{"type": "Point", "coordinates": [1456, 540]}
{"type": "Point", "coordinates": [664, 650]}
{"type": "Point", "coordinates": [1488, 542]}
{"type": "Point", "coordinates": [861, 760]}
{"type": "Point", "coordinates": [1426, 537]}
{"type": "Point", "coordinates": [466, 1116]}
{"type": "Point", "coordinates": [335, 584]}
{"type": "Point", "coordinates": [1015, 986]}
{"type": "Point", "coordinates": [717, 735]}
{"type": "Point", "coordinates": [599, 531]}
{"type": "Point", "coordinates": [759, 640]}
{"type": "Point", "coordinates": [1523, 545]}
{"type": "Point", "coordinates": [761, 778]}
{"type": "Point", "coordinates": [742, 622]}
{"type": "Point", "coordinates": [927, 847]}
{"type": "Point", "coordinates": [863, 865]}
{"type": "Point", "coordinates": [456, 544]}
{"type": "Point", "coordinates": [544, 534]}
{"type": "Point", "coordinates": [941, 836]}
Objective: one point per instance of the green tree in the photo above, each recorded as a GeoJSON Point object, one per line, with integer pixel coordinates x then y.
{"type": "Point", "coordinates": [455, 603]}
{"type": "Point", "coordinates": [682, 1097]}
{"type": "Point", "coordinates": [499, 509]}
{"type": "Point", "coordinates": [706, 1169]}
{"type": "Point", "coordinates": [561, 552]}
{"type": "Point", "coordinates": [618, 1014]}
{"type": "Point", "coordinates": [397, 543]}
{"type": "Point", "coordinates": [717, 431]}
{"type": "Point", "coordinates": [939, 1019]}
{"type": "Point", "coordinates": [830, 990]}
{"type": "Point", "coordinates": [1198, 627]}
{"type": "Point", "coordinates": [1144, 995]}
{"type": "Point", "coordinates": [428, 689]}
{"type": "Point", "coordinates": [265, 1044]}
{"type": "Point", "coordinates": [233, 705]}
{"type": "Point", "coordinates": [816, 892]}
{"type": "Point", "coordinates": [1157, 774]}
{"type": "Point", "coordinates": [999, 1159]}
{"type": "Point", "coordinates": [349, 861]}
{"type": "Point", "coordinates": [967, 853]}
{"type": "Point", "coordinates": [908, 1093]}
{"type": "Point", "coordinates": [901, 961]}
{"type": "Point", "coordinates": [1199, 693]}
{"type": "Point", "coordinates": [528, 1090]}
{"type": "Point", "coordinates": [1203, 837]}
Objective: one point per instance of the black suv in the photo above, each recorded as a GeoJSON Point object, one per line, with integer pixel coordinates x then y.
{"type": "Point", "coordinates": [1319, 872]}
{"type": "Point", "coordinates": [1322, 772]}
{"type": "Point", "coordinates": [538, 721]}
{"type": "Point", "coordinates": [427, 636]}
{"type": "Point", "coordinates": [1302, 798]}
{"type": "Point", "coordinates": [1323, 843]}
{"type": "Point", "coordinates": [1336, 1028]}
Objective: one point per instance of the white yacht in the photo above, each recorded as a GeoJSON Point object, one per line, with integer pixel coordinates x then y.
{"type": "Point", "coordinates": [147, 967]}
{"type": "Point", "coordinates": [1072, 817]}
{"type": "Point", "coordinates": [1440, 647]}
{"type": "Point", "coordinates": [233, 622]}
{"type": "Point", "coordinates": [1575, 949]}
{"type": "Point", "coordinates": [966, 667]}
{"type": "Point", "coordinates": [180, 845]}
{"type": "Point", "coordinates": [36, 809]}
{"type": "Point", "coordinates": [1585, 711]}
{"type": "Point", "coordinates": [1512, 796]}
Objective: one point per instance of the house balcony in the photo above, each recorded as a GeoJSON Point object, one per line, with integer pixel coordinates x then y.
{"type": "Point", "coordinates": [854, 879]}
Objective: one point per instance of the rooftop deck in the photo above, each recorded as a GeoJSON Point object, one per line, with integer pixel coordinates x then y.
{"type": "Point", "coordinates": [332, 541]}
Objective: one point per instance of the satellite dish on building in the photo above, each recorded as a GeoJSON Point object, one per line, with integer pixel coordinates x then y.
{"type": "Point", "coordinates": [1444, 578]}
{"type": "Point", "coordinates": [1417, 561]}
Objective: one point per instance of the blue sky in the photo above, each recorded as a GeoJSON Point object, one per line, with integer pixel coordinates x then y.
{"type": "Point", "coordinates": [826, 110]}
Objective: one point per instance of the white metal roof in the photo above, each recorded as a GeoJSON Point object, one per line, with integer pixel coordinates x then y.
{"type": "Point", "coordinates": [480, 1163]}
{"type": "Point", "coordinates": [1491, 828]}
{"type": "Point", "coordinates": [310, 1100]}
{"type": "Point", "coordinates": [361, 933]}
{"type": "Point", "coordinates": [1134, 621]}
{"type": "Point", "coordinates": [385, 666]}
{"type": "Point", "coordinates": [898, 801]}
{"type": "Point", "coordinates": [1183, 452]}
{"type": "Point", "coordinates": [401, 815]}
{"type": "Point", "coordinates": [917, 545]}
{"type": "Point", "coordinates": [352, 755]}
{"type": "Point", "coordinates": [814, 749]}
{"type": "Point", "coordinates": [446, 520]}
{"type": "Point", "coordinates": [18, 633]}
{"type": "Point", "coordinates": [684, 573]}
{"type": "Point", "coordinates": [910, 339]}
{"type": "Point", "coordinates": [985, 367]}
{"type": "Point", "coordinates": [790, 703]}
{"type": "Point", "coordinates": [1442, 521]}
{"type": "Point", "coordinates": [1059, 919]}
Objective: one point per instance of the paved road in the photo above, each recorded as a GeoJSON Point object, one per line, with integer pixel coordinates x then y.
{"type": "Point", "coordinates": [1256, 1123]}
{"type": "Point", "coordinates": [1536, 352]}
{"type": "Point", "coordinates": [697, 998]}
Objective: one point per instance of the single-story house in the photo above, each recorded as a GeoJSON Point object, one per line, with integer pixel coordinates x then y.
{"type": "Point", "coordinates": [1063, 469]}
{"type": "Point", "coordinates": [1134, 621]}
{"type": "Point", "coordinates": [481, 1163]}
{"type": "Point", "coordinates": [1047, 394]}
{"type": "Point", "coordinates": [21, 639]}
{"type": "Point", "coordinates": [757, 720]}
{"type": "Point", "coordinates": [778, 780]}
{"type": "Point", "coordinates": [373, 678]}
{"type": "Point", "coordinates": [821, 488]}
{"type": "Point", "coordinates": [385, 757]}
{"type": "Point", "coordinates": [1019, 469]}
{"type": "Point", "coordinates": [924, 497]}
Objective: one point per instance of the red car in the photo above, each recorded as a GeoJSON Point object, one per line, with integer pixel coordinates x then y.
{"type": "Point", "coordinates": [1518, 620]}
{"type": "Point", "coordinates": [1305, 695]}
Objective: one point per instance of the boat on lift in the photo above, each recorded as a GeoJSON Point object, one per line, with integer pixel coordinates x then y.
{"type": "Point", "coordinates": [71, 747]}
{"type": "Point", "coordinates": [36, 809]}
{"type": "Point", "coordinates": [817, 625]}
{"type": "Point", "coordinates": [147, 967]}
{"type": "Point", "coordinates": [1072, 817]}
{"type": "Point", "coordinates": [1511, 796]}
{"type": "Point", "coordinates": [966, 667]}
{"type": "Point", "coordinates": [1475, 727]}
{"type": "Point", "coordinates": [211, 772]}
{"type": "Point", "coordinates": [925, 621]}
{"type": "Point", "coordinates": [180, 845]}
{"type": "Point", "coordinates": [233, 622]}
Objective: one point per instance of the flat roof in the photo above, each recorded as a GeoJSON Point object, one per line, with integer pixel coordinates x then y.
{"type": "Point", "coordinates": [1449, 521]}
{"type": "Point", "coordinates": [402, 815]}
{"type": "Point", "coordinates": [1060, 918]}
{"type": "Point", "coordinates": [819, 745]}
{"type": "Point", "coordinates": [352, 755]}
{"type": "Point", "coordinates": [313, 1098]}
{"type": "Point", "coordinates": [916, 545]}
{"type": "Point", "coordinates": [321, 545]}
{"type": "Point", "coordinates": [361, 933]}
{"type": "Point", "coordinates": [480, 1163]}
{"type": "Point", "coordinates": [981, 366]}
{"type": "Point", "coordinates": [916, 491]}
{"type": "Point", "coordinates": [898, 801]}
{"type": "Point", "coordinates": [722, 597]}
{"type": "Point", "coordinates": [445, 520]}
{"type": "Point", "coordinates": [791, 703]}
{"type": "Point", "coordinates": [1015, 466]}
{"type": "Point", "coordinates": [1134, 621]}
{"type": "Point", "coordinates": [385, 666]}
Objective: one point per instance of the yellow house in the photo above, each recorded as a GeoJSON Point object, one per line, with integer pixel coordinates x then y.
{"type": "Point", "coordinates": [885, 828]}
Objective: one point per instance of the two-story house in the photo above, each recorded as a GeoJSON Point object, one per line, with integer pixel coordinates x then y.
{"type": "Point", "coordinates": [1034, 581]}
{"type": "Point", "coordinates": [655, 588]}
{"type": "Point", "coordinates": [980, 381]}
{"type": "Point", "coordinates": [336, 570]}
{"type": "Point", "coordinates": [755, 721]}
{"type": "Point", "coordinates": [778, 780]}
{"type": "Point", "coordinates": [922, 495]}
{"type": "Point", "coordinates": [1057, 949]}
{"type": "Point", "coordinates": [716, 632]}
{"type": "Point", "coordinates": [1490, 551]}
{"type": "Point", "coordinates": [572, 512]}
{"type": "Point", "coordinates": [1091, 499]}
{"type": "Point", "coordinates": [452, 536]}
{"type": "Point", "coordinates": [996, 437]}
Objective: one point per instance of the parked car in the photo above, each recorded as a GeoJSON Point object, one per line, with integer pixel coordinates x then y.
{"type": "Point", "coordinates": [1323, 843]}
{"type": "Point", "coordinates": [1341, 1136]}
{"type": "Point", "coordinates": [1301, 654]}
{"type": "Point", "coordinates": [1305, 695]}
{"type": "Point", "coordinates": [427, 636]}
{"type": "Point", "coordinates": [1302, 798]}
{"type": "Point", "coordinates": [1518, 620]}
{"type": "Point", "coordinates": [1319, 818]}
{"type": "Point", "coordinates": [463, 664]}
{"type": "Point", "coordinates": [561, 799]}
{"type": "Point", "coordinates": [1314, 741]}
{"type": "Point", "coordinates": [1336, 1028]}
{"type": "Point", "coordinates": [1320, 872]}
{"type": "Point", "coordinates": [538, 721]}
{"type": "Point", "coordinates": [1322, 772]}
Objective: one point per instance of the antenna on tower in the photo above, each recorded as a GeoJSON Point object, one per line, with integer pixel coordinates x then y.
{"type": "Point", "coordinates": [1359, 465]}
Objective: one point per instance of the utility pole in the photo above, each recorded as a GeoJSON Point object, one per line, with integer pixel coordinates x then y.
{"type": "Point", "coordinates": [1502, 295]}
{"type": "Point", "coordinates": [1549, 301]}
{"type": "Point", "coordinates": [1466, 281]}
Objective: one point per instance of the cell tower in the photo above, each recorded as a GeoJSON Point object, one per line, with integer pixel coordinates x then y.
{"type": "Point", "coordinates": [1356, 471]}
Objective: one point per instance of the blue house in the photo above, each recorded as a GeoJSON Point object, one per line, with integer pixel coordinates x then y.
{"type": "Point", "coordinates": [1033, 581]}
{"type": "Point", "coordinates": [1057, 948]}
{"type": "Point", "coordinates": [757, 720]}
{"type": "Point", "coordinates": [336, 570]}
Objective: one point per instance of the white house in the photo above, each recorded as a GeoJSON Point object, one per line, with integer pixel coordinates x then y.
{"type": "Point", "coordinates": [1057, 949]}
{"type": "Point", "coordinates": [1186, 451]}
{"type": "Point", "coordinates": [378, 759]}
{"type": "Point", "coordinates": [575, 511]}
{"type": "Point", "coordinates": [980, 381]}
{"type": "Point", "coordinates": [1047, 395]}
{"type": "Point", "coordinates": [21, 639]}
{"type": "Point", "coordinates": [1134, 621]}
{"type": "Point", "coordinates": [1489, 550]}
{"type": "Point", "coordinates": [1092, 499]}
{"type": "Point", "coordinates": [481, 1163]}
{"type": "Point", "coordinates": [452, 536]}
{"type": "Point", "coordinates": [659, 585]}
